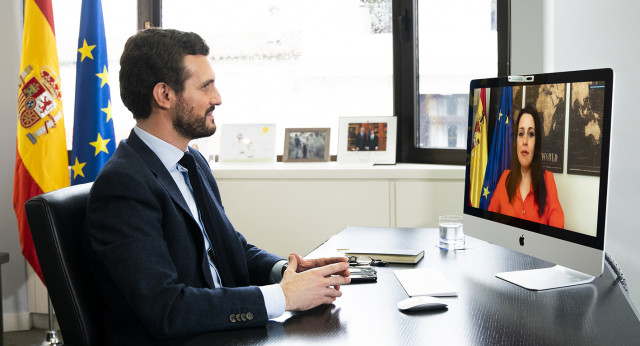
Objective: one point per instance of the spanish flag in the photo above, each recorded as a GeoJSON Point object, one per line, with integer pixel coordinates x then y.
{"type": "Point", "coordinates": [478, 161]}
{"type": "Point", "coordinates": [41, 153]}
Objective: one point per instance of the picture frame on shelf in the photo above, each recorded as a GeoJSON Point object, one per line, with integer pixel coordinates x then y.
{"type": "Point", "coordinates": [306, 145]}
{"type": "Point", "coordinates": [250, 143]}
{"type": "Point", "coordinates": [367, 140]}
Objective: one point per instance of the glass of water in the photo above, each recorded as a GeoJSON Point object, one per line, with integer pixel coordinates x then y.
{"type": "Point", "coordinates": [451, 233]}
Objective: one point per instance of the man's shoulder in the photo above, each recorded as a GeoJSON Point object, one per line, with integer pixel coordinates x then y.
{"type": "Point", "coordinates": [124, 164]}
{"type": "Point", "coordinates": [123, 158]}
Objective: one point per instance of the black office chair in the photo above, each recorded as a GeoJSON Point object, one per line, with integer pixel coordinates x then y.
{"type": "Point", "coordinates": [56, 219]}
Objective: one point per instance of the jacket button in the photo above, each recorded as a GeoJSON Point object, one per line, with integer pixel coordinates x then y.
{"type": "Point", "coordinates": [239, 317]}
{"type": "Point", "coordinates": [249, 316]}
{"type": "Point", "coordinates": [232, 318]}
{"type": "Point", "coordinates": [243, 317]}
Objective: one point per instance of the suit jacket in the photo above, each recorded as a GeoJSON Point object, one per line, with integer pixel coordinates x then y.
{"type": "Point", "coordinates": [361, 140]}
{"type": "Point", "coordinates": [147, 252]}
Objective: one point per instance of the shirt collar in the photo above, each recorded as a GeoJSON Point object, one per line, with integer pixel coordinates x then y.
{"type": "Point", "coordinates": [168, 154]}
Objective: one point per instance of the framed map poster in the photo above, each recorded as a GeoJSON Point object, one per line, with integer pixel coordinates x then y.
{"type": "Point", "coordinates": [550, 101]}
{"type": "Point", "coordinates": [585, 124]}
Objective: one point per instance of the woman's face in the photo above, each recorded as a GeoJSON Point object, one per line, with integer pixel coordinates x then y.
{"type": "Point", "coordinates": [526, 141]}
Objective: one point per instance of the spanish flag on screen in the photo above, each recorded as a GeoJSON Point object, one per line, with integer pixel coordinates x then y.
{"type": "Point", "coordinates": [93, 134]}
{"type": "Point", "coordinates": [478, 151]}
{"type": "Point", "coordinates": [41, 155]}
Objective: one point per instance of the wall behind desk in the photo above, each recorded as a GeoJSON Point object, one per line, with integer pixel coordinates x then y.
{"type": "Point", "coordinates": [566, 35]}
{"type": "Point", "coordinates": [283, 213]}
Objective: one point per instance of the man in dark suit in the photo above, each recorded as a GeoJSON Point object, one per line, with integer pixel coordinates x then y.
{"type": "Point", "coordinates": [372, 141]}
{"type": "Point", "coordinates": [170, 266]}
{"type": "Point", "coordinates": [361, 139]}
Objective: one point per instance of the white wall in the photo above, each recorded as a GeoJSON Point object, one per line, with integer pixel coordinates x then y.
{"type": "Point", "coordinates": [594, 34]}
{"type": "Point", "coordinates": [14, 292]}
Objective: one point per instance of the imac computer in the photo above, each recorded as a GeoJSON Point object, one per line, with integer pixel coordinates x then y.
{"type": "Point", "coordinates": [537, 171]}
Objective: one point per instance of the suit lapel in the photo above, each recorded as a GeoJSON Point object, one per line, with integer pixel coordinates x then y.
{"type": "Point", "coordinates": [159, 170]}
{"type": "Point", "coordinates": [225, 242]}
{"type": "Point", "coordinates": [166, 181]}
{"type": "Point", "coordinates": [228, 249]}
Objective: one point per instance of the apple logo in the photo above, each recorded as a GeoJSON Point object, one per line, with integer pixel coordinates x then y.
{"type": "Point", "coordinates": [522, 240]}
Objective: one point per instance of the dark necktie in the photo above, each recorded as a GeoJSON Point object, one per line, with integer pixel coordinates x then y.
{"type": "Point", "coordinates": [204, 203]}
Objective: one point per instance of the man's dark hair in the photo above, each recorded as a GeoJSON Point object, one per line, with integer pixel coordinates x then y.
{"type": "Point", "coordinates": [152, 56]}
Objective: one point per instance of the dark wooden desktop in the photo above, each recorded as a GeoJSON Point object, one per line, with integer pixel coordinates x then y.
{"type": "Point", "coordinates": [487, 311]}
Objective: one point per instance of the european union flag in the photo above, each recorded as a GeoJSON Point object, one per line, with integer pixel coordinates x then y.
{"type": "Point", "coordinates": [500, 154]}
{"type": "Point", "coordinates": [93, 134]}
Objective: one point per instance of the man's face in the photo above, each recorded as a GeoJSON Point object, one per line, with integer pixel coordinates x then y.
{"type": "Point", "coordinates": [195, 105]}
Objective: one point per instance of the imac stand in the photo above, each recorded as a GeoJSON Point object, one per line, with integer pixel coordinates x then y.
{"type": "Point", "coordinates": [546, 278]}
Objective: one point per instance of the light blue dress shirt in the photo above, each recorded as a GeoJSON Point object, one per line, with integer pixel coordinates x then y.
{"type": "Point", "coordinates": [169, 155]}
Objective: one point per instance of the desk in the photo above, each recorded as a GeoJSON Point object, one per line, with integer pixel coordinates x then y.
{"type": "Point", "coordinates": [4, 258]}
{"type": "Point", "coordinates": [487, 311]}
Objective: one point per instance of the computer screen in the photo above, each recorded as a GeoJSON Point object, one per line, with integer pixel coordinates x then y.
{"type": "Point", "coordinates": [537, 168]}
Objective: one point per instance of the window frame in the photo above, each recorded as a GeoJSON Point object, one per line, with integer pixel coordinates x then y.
{"type": "Point", "coordinates": [405, 73]}
{"type": "Point", "coordinates": [149, 14]}
{"type": "Point", "coordinates": [405, 80]}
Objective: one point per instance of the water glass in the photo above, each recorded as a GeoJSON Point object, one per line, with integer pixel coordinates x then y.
{"type": "Point", "coordinates": [451, 233]}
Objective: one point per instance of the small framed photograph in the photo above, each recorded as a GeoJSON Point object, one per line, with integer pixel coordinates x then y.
{"type": "Point", "coordinates": [248, 143]}
{"type": "Point", "coordinates": [367, 140]}
{"type": "Point", "coordinates": [306, 145]}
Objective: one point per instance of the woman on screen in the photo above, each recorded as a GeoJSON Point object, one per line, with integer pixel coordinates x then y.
{"type": "Point", "coordinates": [527, 191]}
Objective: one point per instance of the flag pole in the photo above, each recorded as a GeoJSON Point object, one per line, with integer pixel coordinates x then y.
{"type": "Point", "coordinates": [51, 338]}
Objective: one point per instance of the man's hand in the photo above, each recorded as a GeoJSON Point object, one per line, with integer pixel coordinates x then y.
{"type": "Point", "coordinates": [315, 285]}
{"type": "Point", "coordinates": [304, 265]}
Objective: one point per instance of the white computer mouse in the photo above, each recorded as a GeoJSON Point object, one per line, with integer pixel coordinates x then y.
{"type": "Point", "coordinates": [421, 303]}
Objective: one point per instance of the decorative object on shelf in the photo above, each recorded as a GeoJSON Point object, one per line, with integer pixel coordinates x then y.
{"type": "Point", "coordinates": [248, 143]}
{"type": "Point", "coordinates": [306, 145]}
{"type": "Point", "coordinates": [367, 140]}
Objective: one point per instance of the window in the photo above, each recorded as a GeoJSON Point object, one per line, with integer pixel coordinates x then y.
{"type": "Point", "coordinates": [295, 63]}
{"type": "Point", "coordinates": [305, 63]}
{"type": "Point", "coordinates": [120, 18]}
{"type": "Point", "coordinates": [442, 45]}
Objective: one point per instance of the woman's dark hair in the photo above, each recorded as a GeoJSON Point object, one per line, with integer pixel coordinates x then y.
{"type": "Point", "coordinates": [152, 56]}
{"type": "Point", "coordinates": [537, 173]}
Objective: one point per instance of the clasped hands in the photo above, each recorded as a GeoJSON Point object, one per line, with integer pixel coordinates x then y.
{"type": "Point", "coordinates": [309, 283]}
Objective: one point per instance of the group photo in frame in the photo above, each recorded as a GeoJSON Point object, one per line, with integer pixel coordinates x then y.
{"type": "Point", "coordinates": [367, 140]}
{"type": "Point", "coordinates": [306, 145]}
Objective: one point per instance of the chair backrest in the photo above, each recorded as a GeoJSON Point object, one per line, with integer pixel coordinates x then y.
{"type": "Point", "coordinates": [56, 220]}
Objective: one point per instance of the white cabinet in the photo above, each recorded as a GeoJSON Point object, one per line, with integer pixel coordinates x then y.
{"type": "Point", "coordinates": [294, 207]}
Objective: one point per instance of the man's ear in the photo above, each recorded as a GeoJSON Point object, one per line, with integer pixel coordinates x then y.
{"type": "Point", "coordinates": [163, 95]}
